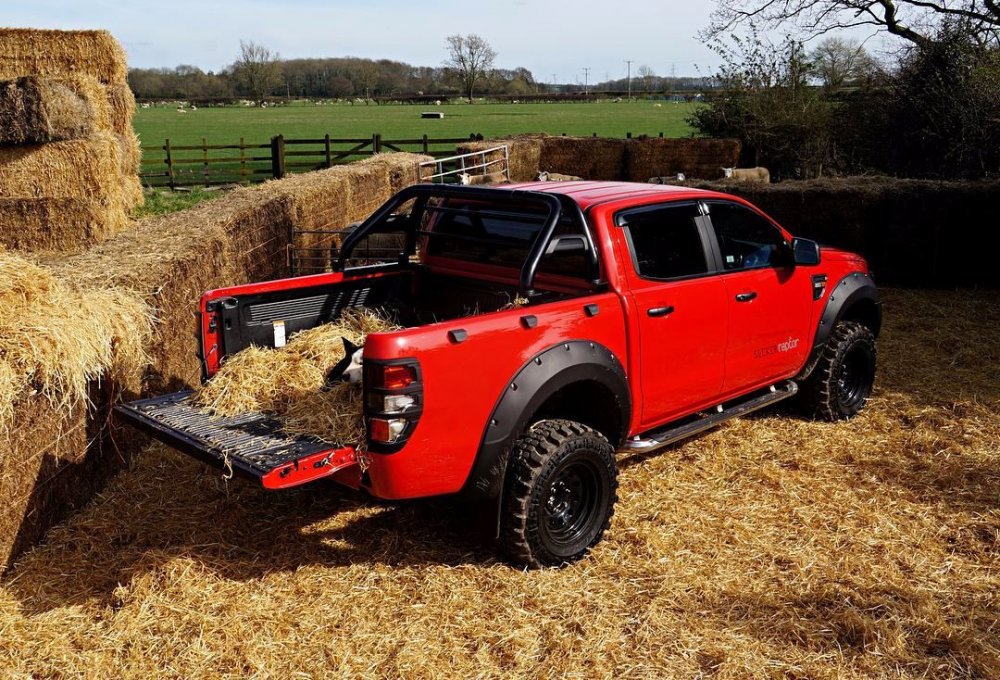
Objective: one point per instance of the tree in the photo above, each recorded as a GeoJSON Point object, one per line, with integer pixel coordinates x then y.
{"type": "Point", "coordinates": [257, 70]}
{"type": "Point", "coordinates": [838, 62]}
{"type": "Point", "coordinates": [913, 20]}
{"type": "Point", "coordinates": [767, 103]}
{"type": "Point", "coordinates": [648, 76]}
{"type": "Point", "coordinates": [470, 57]}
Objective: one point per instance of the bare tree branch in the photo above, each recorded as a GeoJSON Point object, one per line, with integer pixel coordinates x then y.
{"type": "Point", "coordinates": [912, 20]}
{"type": "Point", "coordinates": [257, 69]}
{"type": "Point", "coordinates": [470, 57]}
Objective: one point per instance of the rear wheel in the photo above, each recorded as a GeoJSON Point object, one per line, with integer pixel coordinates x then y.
{"type": "Point", "coordinates": [560, 493]}
{"type": "Point", "coordinates": [843, 379]}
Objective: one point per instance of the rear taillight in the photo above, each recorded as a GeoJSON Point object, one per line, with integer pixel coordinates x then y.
{"type": "Point", "coordinates": [393, 402]}
{"type": "Point", "coordinates": [394, 376]}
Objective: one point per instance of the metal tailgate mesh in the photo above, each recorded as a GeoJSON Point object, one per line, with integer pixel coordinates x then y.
{"type": "Point", "coordinates": [251, 441]}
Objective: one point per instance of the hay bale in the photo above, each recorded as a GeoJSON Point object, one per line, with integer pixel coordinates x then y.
{"type": "Point", "coordinates": [131, 153]}
{"type": "Point", "coordinates": [170, 260]}
{"type": "Point", "coordinates": [594, 158]}
{"type": "Point", "coordinates": [523, 154]}
{"type": "Point", "coordinates": [80, 168]}
{"type": "Point", "coordinates": [289, 382]}
{"type": "Point", "coordinates": [121, 108]}
{"type": "Point", "coordinates": [35, 110]}
{"type": "Point", "coordinates": [56, 338]}
{"type": "Point", "coordinates": [329, 200]}
{"type": "Point", "coordinates": [58, 224]}
{"type": "Point", "coordinates": [44, 440]}
{"type": "Point", "coordinates": [25, 51]}
{"type": "Point", "coordinates": [696, 158]}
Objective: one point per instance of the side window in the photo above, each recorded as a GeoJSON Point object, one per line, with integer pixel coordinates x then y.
{"type": "Point", "coordinates": [746, 239]}
{"type": "Point", "coordinates": [665, 241]}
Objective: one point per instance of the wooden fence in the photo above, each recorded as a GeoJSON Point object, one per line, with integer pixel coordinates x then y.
{"type": "Point", "coordinates": [205, 164]}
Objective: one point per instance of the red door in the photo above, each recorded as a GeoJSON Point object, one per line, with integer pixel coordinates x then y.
{"type": "Point", "coordinates": [680, 310]}
{"type": "Point", "coordinates": [770, 300]}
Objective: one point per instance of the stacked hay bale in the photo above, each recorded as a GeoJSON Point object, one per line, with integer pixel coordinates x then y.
{"type": "Point", "coordinates": [666, 157]}
{"type": "Point", "coordinates": [69, 160]}
{"type": "Point", "coordinates": [601, 158]}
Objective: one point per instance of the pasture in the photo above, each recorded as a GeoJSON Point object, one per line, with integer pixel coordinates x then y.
{"type": "Point", "coordinates": [225, 125]}
{"type": "Point", "coordinates": [772, 547]}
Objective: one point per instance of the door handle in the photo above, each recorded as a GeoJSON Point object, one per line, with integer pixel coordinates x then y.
{"type": "Point", "coordinates": [660, 311]}
{"type": "Point", "coordinates": [746, 297]}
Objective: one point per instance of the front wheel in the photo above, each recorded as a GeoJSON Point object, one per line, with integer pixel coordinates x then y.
{"type": "Point", "coordinates": [843, 379]}
{"type": "Point", "coordinates": [560, 493]}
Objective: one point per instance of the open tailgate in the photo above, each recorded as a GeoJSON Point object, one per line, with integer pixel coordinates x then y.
{"type": "Point", "coordinates": [251, 444]}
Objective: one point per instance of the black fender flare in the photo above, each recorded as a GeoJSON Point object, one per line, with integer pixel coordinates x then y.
{"type": "Point", "coordinates": [851, 289]}
{"type": "Point", "coordinates": [541, 377]}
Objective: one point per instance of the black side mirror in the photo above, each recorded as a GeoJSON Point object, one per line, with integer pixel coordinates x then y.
{"type": "Point", "coordinates": [805, 252]}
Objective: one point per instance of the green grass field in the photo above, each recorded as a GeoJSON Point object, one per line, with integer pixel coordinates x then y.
{"type": "Point", "coordinates": [225, 125]}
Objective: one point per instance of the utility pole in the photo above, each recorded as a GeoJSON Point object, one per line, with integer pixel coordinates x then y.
{"type": "Point", "coordinates": [586, 79]}
{"type": "Point", "coordinates": [629, 78]}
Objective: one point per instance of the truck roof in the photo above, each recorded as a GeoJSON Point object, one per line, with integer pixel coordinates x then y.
{"type": "Point", "coordinates": [589, 193]}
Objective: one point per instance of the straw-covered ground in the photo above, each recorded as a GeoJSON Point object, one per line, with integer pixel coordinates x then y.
{"type": "Point", "coordinates": [772, 547]}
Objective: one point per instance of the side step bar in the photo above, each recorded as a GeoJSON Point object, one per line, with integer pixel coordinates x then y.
{"type": "Point", "coordinates": [252, 445]}
{"type": "Point", "coordinates": [706, 420]}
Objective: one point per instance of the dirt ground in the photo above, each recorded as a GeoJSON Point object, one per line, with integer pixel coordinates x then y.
{"type": "Point", "coordinates": [771, 547]}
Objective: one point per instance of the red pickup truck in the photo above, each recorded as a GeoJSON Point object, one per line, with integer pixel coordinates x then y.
{"type": "Point", "coordinates": [644, 314]}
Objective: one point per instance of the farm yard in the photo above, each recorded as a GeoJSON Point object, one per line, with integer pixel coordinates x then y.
{"type": "Point", "coordinates": [772, 547]}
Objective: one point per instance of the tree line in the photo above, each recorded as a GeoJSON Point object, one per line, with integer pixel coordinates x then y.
{"type": "Point", "coordinates": [258, 73]}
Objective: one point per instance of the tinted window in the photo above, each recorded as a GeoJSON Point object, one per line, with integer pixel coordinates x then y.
{"type": "Point", "coordinates": [665, 242]}
{"type": "Point", "coordinates": [501, 236]}
{"type": "Point", "coordinates": [746, 239]}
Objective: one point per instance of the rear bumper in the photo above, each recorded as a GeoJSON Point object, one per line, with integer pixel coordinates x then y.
{"type": "Point", "coordinates": [250, 445]}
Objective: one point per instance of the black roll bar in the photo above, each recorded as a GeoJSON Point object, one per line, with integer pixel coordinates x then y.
{"type": "Point", "coordinates": [423, 192]}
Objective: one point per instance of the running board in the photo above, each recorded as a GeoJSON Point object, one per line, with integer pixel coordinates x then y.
{"type": "Point", "coordinates": [706, 420]}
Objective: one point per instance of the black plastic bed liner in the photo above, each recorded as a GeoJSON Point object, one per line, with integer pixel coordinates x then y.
{"type": "Point", "coordinates": [250, 444]}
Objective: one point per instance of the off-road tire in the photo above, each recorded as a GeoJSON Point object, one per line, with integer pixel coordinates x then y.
{"type": "Point", "coordinates": [842, 380]}
{"type": "Point", "coordinates": [560, 493]}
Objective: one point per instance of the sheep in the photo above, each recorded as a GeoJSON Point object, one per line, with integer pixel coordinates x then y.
{"type": "Point", "coordinates": [181, 109]}
{"type": "Point", "coordinates": [467, 179]}
{"type": "Point", "coordinates": [194, 108]}
{"type": "Point", "coordinates": [748, 175]}
{"type": "Point", "coordinates": [658, 106]}
{"type": "Point", "coordinates": [437, 102]}
{"type": "Point", "coordinates": [545, 176]}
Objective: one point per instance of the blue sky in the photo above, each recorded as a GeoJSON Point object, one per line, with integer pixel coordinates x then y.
{"type": "Point", "coordinates": [548, 38]}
